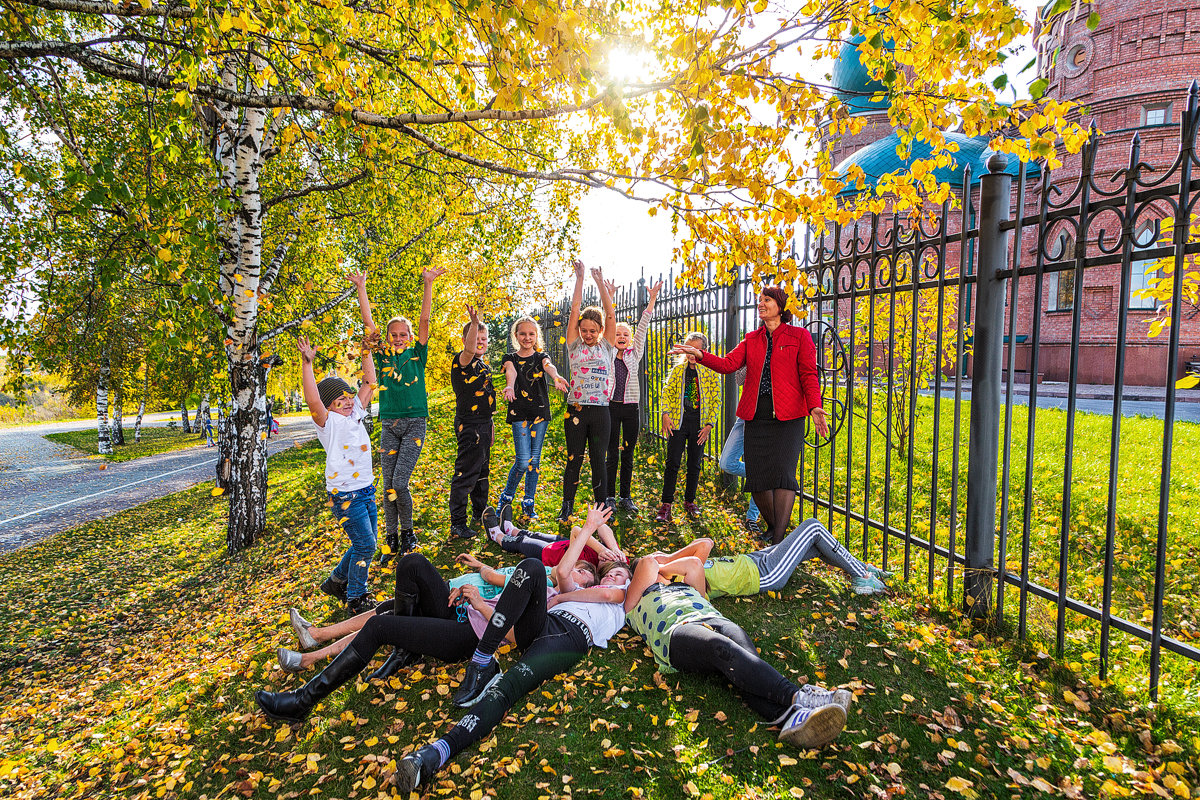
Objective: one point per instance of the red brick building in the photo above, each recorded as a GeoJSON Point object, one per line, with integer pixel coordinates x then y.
{"type": "Point", "coordinates": [1131, 75]}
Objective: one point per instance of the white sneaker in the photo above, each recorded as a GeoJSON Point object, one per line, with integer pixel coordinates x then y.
{"type": "Point", "coordinates": [810, 728]}
{"type": "Point", "coordinates": [868, 584]}
{"type": "Point", "coordinates": [815, 696]}
{"type": "Point", "coordinates": [300, 625]}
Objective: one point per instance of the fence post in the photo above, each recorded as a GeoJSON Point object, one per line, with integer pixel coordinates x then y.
{"type": "Point", "coordinates": [995, 200]}
{"type": "Point", "coordinates": [733, 298]}
{"type": "Point", "coordinates": [643, 299]}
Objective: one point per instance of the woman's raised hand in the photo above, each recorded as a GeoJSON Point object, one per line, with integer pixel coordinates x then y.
{"type": "Point", "coordinates": [685, 350]}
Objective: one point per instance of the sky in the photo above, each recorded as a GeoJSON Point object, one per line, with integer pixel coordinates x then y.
{"type": "Point", "coordinates": [619, 236]}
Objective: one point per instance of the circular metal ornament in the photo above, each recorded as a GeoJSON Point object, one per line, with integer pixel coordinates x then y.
{"type": "Point", "coordinates": [833, 374]}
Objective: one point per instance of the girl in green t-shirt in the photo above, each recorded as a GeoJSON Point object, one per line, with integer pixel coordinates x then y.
{"type": "Point", "coordinates": [403, 409]}
{"type": "Point", "coordinates": [687, 634]}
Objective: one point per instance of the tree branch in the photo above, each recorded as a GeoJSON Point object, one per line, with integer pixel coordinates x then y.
{"type": "Point", "coordinates": [272, 270]}
{"type": "Point", "coordinates": [324, 187]}
{"type": "Point", "coordinates": [172, 10]}
{"type": "Point", "coordinates": [316, 312]}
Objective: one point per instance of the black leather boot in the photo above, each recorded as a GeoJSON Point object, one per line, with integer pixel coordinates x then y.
{"type": "Point", "coordinates": [416, 769]}
{"type": "Point", "coordinates": [398, 660]}
{"type": "Point", "coordinates": [295, 706]}
{"type": "Point", "coordinates": [393, 549]}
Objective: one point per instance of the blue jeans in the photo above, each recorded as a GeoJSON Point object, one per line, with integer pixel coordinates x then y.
{"type": "Point", "coordinates": [360, 521]}
{"type": "Point", "coordinates": [528, 438]}
{"type": "Point", "coordinates": [731, 460]}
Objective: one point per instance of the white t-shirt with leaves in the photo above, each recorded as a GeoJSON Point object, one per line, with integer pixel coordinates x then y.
{"type": "Point", "coordinates": [347, 450]}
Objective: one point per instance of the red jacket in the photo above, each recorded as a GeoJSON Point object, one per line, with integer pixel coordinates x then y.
{"type": "Point", "coordinates": [794, 387]}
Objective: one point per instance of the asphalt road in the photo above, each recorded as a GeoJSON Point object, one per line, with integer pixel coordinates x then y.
{"type": "Point", "coordinates": [1184, 412]}
{"type": "Point", "coordinates": [46, 487]}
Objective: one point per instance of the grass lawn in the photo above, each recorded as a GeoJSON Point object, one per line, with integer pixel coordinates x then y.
{"type": "Point", "coordinates": [134, 645]}
{"type": "Point", "coordinates": [154, 441]}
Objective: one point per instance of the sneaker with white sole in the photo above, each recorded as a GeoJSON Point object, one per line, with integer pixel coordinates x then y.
{"type": "Point", "coordinates": [810, 728]}
{"type": "Point", "coordinates": [868, 584]}
{"type": "Point", "coordinates": [877, 572]}
{"type": "Point", "coordinates": [300, 626]}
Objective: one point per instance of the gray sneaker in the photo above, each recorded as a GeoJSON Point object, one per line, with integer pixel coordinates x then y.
{"type": "Point", "coordinates": [810, 728]}
{"type": "Point", "coordinates": [868, 584]}
{"type": "Point", "coordinates": [300, 625]}
{"type": "Point", "coordinates": [289, 660]}
{"type": "Point", "coordinates": [815, 696]}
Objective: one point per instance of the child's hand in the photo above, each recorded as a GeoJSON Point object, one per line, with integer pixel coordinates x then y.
{"type": "Point", "coordinates": [704, 434]}
{"type": "Point", "coordinates": [598, 514]}
{"type": "Point", "coordinates": [359, 279]}
{"type": "Point", "coordinates": [667, 426]}
{"type": "Point", "coordinates": [431, 275]}
{"type": "Point", "coordinates": [509, 394]}
{"type": "Point", "coordinates": [654, 290]}
{"type": "Point", "coordinates": [473, 313]}
{"type": "Point", "coordinates": [468, 560]}
{"type": "Point", "coordinates": [598, 276]}
{"type": "Point", "coordinates": [611, 286]}
{"type": "Point", "coordinates": [307, 351]}
{"type": "Point", "coordinates": [561, 384]}
{"type": "Point", "coordinates": [577, 265]}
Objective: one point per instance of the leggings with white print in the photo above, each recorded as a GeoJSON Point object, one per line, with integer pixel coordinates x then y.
{"type": "Point", "coordinates": [810, 539]}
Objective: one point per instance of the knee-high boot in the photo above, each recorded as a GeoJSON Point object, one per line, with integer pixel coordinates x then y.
{"type": "Point", "coordinates": [296, 706]}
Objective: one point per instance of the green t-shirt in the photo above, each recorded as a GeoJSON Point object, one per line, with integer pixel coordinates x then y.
{"type": "Point", "coordinates": [735, 575]}
{"type": "Point", "coordinates": [401, 378]}
{"type": "Point", "coordinates": [660, 610]}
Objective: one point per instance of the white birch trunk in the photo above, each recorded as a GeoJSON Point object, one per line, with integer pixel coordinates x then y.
{"type": "Point", "coordinates": [137, 425]}
{"type": "Point", "coordinates": [118, 426]}
{"type": "Point", "coordinates": [183, 413]}
{"type": "Point", "coordinates": [104, 440]}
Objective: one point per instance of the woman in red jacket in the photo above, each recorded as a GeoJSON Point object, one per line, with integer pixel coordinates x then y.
{"type": "Point", "coordinates": [781, 389]}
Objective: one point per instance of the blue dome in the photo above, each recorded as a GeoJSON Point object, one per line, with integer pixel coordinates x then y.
{"type": "Point", "coordinates": [853, 85]}
{"type": "Point", "coordinates": [879, 158]}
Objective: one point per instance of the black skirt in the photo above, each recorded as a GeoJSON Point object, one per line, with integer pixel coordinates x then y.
{"type": "Point", "coordinates": [772, 451]}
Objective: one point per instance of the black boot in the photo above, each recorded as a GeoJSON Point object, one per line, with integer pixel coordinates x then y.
{"type": "Point", "coordinates": [334, 588]}
{"type": "Point", "coordinates": [404, 604]}
{"type": "Point", "coordinates": [295, 706]}
{"type": "Point", "coordinates": [475, 682]}
{"type": "Point", "coordinates": [408, 541]}
{"type": "Point", "coordinates": [398, 660]}
{"type": "Point", "coordinates": [393, 550]}
{"type": "Point", "coordinates": [417, 768]}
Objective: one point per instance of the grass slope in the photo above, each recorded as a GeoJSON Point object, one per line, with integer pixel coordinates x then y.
{"type": "Point", "coordinates": [133, 647]}
{"type": "Point", "coordinates": [154, 441]}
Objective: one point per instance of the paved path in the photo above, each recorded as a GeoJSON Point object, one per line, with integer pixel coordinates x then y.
{"type": "Point", "coordinates": [1138, 401]}
{"type": "Point", "coordinates": [46, 487]}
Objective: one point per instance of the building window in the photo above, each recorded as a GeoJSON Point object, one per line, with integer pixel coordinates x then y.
{"type": "Point", "coordinates": [1159, 114]}
{"type": "Point", "coordinates": [1061, 284]}
{"type": "Point", "coordinates": [1142, 271]}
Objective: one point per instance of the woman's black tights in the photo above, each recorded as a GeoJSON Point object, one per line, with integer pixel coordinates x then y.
{"type": "Point", "coordinates": [776, 505]}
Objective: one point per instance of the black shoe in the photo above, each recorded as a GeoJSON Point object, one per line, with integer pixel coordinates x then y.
{"type": "Point", "coordinates": [416, 769]}
{"type": "Point", "coordinates": [753, 526]}
{"type": "Point", "coordinates": [462, 532]}
{"type": "Point", "coordinates": [611, 504]}
{"type": "Point", "coordinates": [626, 505]}
{"type": "Point", "coordinates": [408, 541]}
{"type": "Point", "coordinates": [564, 515]}
{"type": "Point", "coordinates": [475, 682]}
{"type": "Point", "coordinates": [295, 706]}
{"type": "Point", "coordinates": [334, 588]}
{"type": "Point", "coordinates": [393, 549]}
{"type": "Point", "coordinates": [398, 660]}
{"type": "Point", "coordinates": [490, 519]}
{"type": "Point", "coordinates": [506, 515]}
{"type": "Point", "coordinates": [404, 604]}
{"type": "Point", "coordinates": [360, 604]}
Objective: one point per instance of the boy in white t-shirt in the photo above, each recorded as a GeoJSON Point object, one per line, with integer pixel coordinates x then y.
{"type": "Point", "coordinates": [338, 413]}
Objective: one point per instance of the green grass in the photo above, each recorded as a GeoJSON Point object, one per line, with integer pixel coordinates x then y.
{"type": "Point", "coordinates": [154, 441]}
{"type": "Point", "coordinates": [133, 647]}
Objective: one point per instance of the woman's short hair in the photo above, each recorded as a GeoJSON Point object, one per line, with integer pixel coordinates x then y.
{"type": "Point", "coordinates": [777, 294]}
{"type": "Point", "coordinates": [540, 344]}
{"type": "Point", "coordinates": [594, 313]}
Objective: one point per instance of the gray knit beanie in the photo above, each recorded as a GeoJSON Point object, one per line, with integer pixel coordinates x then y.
{"type": "Point", "coordinates": [332, 388]}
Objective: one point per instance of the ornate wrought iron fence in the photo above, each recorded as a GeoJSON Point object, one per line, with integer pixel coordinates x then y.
{"type": "Point", "coordinates": [923, 326]}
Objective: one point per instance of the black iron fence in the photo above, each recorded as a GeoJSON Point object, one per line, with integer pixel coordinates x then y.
{"type": "Point", "coordinates": [935, 334]}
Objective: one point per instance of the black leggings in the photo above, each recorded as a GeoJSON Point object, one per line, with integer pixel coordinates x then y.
{"type": "Point", "coordinates": [719, 647]}
{"type": "Point", "coordinates": [549, 645]}
{"type": "Point", "coordinates": [586, 429]}
{"type": "Point", "coordinates": [683, 438]}
{"type": "Point", "coordinates": [416, 576]}
{"type": "Point", "coordinates": [527, 543]}
{"type": "Point", "coordinates": [624, 422]}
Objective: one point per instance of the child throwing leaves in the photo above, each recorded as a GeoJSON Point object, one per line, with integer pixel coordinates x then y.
{"type": "Point", "coordinates": [403, 408]}
{"type": "Point", "coordinates": [338, 413]}
{"type": "Point", "coordinates": [526, 371]}
{"type": "Point", "coordinates": [474, 404]}
{"type": "Point", "coordinates": [691, 396]}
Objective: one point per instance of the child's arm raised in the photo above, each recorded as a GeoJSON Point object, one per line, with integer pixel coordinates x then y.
{"type": "Point", "coordinates": [597, 516]}
{"type": "Point", "coordinates": [643, 326]}
{"type": "Point", "coordinates": [607, 288]}
{"type": "Point", "coordinates": [576, 302]}
{"type": "Point", "coordinates": [470, 337]}
{"type": "Point", "coordinates": [428, 276]}
{"type": "Point", "coordinates": [367, 389]}
{"type": "Point", "coordinates": [359, 279]}
{"type": "Point", "coordinates": [312, 397]}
